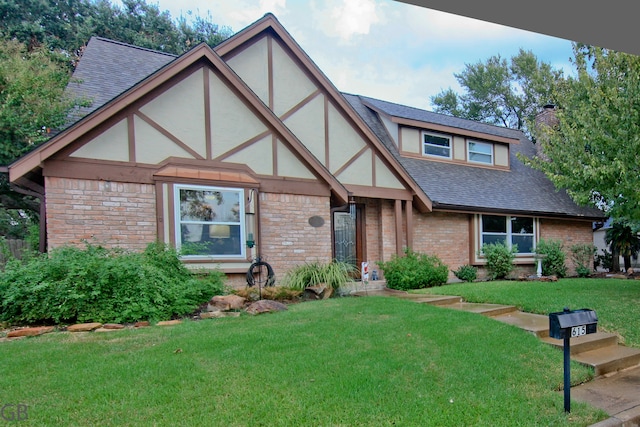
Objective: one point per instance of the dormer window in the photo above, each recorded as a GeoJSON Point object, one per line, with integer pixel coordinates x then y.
{"type": "Point", "coordinates": [436, 145]}
{"type": "Point", "coordinates": [480, 152]}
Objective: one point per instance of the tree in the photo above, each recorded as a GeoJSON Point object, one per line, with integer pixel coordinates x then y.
{"type": "Point", "coordinates": [624, 241]}
{"type": "Point", "coordinates": [594, 149]}
{"type": "Point", "coordinates": [503, 93]}
{"type": "Point", "coordinates": [68, 24]}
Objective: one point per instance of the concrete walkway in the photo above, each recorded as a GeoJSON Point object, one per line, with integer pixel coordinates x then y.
{"type": "Point", "coordinates": [616, 388]}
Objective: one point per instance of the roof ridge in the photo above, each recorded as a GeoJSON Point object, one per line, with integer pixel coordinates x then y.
{"type": "Point", "coordinates": [132, 46]}
{"type": "Point", "coordinates": [436, 113]}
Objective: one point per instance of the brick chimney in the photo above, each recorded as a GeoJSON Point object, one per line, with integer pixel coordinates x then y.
{"type": "Point", "coordinates": [545, 121]}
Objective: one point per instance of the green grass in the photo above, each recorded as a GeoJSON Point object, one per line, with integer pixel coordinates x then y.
{"type": "Point", "coordinates": [370, 361]}
{"type": "Point", "coordinates": [615, 301]}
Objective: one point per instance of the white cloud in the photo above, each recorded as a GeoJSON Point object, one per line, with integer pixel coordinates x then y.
{"type": "Point", "coordinates": [345, 18]}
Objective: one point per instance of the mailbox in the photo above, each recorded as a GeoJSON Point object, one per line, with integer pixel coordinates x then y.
{"type": "Point", "coordinates": [572, 323]}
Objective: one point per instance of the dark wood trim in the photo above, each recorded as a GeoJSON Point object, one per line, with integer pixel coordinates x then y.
{"type": "Point", "coordinates": [172, 209]}
{"type": "Point", "coordinates": [168, 135]}
{"type": "Point", "coordinates": [472, 239]}
{"type": "Point", "coordinates": [274, 155]}
{"type": "Point", "coordinates": [326, 133]}
{"type": "Point", "coordinates": [379, 193]}
{"type": "Point", "coordinates": [452, 160]}
{"type": "Point", "coordinates": [427, 126]}
{"type": "Point", "coordinates": [374, 170]}
{"type": "Point", "coordinates": [208, 138]}
{"type": "Point", "coordinates": [99, 170]}
{"type": "Point", "coordinates": [270, 72]}
{"type": "Point", "coordinates": [352, 160]}
{"type": "Point", "coordinates": [300, 105]}
{"type": "Point", "coordinates": [409, 218]}
{"type": "Point", "coordinates": [131, 133]}
{"type": "Point", "coordinates": [160, 213]}
{"type": "Point", "coordinates": [398, 221]}
{"type": "Point", "coordinates": [242, 146]}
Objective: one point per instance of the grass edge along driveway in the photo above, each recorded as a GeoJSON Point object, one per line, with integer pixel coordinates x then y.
{"type": "Point", "coordinates": [369, 361]}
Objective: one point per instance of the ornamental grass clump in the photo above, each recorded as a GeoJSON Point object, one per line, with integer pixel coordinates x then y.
{"type": "Point", "coordinates": [96, 284]}
{"type": "Point", "coordinates": [334, 274]}
{"type": "Point", "coordinates": [414, 270]}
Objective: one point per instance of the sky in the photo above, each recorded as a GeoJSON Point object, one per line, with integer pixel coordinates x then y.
{"type": "Point", "coordinates": [382, 48]}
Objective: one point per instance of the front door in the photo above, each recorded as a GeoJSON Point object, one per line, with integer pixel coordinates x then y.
{"type": "Point", "coordinates": [347, 238]}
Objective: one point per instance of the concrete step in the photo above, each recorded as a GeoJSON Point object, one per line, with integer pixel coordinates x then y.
{"type": "Point", "coordinates": [586, 342]}
{"type": "Point", "coordinates": [537, 324]}
{"type": "Point", "coordinates": [609, 359]}
{"type": "Point", "coordinates": [489, 310]}
{"type": "Point", "coordinates": [440, 300]}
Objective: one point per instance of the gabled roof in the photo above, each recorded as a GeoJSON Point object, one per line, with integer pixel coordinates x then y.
{"type": "Point", "coordinates": [200, 53]}
{"type": "Point", "coordinates": [520, 190]}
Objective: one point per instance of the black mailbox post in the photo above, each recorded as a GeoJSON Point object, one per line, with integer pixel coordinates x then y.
{"type": "Point", "coordinates": [569, 324]}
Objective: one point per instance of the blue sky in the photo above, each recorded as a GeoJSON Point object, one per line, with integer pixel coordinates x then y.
{"type": "Point", "coordinates": [382, 48]}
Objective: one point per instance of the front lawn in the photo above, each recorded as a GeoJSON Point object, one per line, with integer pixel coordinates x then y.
{"type": "Point", "coordinates": [615, 301]}
{"type": "Point", "coordinates": [368, 361]}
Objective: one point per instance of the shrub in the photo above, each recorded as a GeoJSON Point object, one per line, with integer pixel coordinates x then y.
{"type": "Point", "coordinates": [466, 273]}
{"type": "Point", "coordinates": [553, 261]}
{"type": "Point", "coordinates": [334, 274]}
{"type": "Point", "coordinates": [581, 255]}
{"type": "Point", "coordinates": [604, 260]}
{"type": "Point", "coordinates": [499, 259]}
{"type": "Point", "coordinates": [102, 285]}
{"type": "Point", "coordinates": [414, 270]}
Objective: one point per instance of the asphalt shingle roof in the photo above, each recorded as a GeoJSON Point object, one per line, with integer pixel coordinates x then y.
{"type": "Point", "coordinates": [454, 186]}
{"type": "Point", "coordinates": [109, 68]}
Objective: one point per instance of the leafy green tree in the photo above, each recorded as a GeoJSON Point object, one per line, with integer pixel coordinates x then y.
{"type": "Point", "coordinates": [497, 91]}
{"type": "Point", "coordinates": [32, 83]}
{"type": "Point", "coordinates": [68, 24]}
{"type": "Point", "coordinates": [624, 241]}
{"type": "Point", "coordinates": [593, 149]}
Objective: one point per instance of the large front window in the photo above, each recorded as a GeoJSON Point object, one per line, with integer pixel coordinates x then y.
{"type": "Point", "coordinates": [511, 230]}
{"type": "Point", "coordinates": [208, 221]}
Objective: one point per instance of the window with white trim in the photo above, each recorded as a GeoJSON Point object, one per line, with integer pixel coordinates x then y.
{"type": "Point", "coordinates": [480, 152]}
{"type": "Point", "coordinates": [514, 231]}
{"type": "Point", "coordinates": [209, 221]}
{"type": "Point", "coordinates": [436, 145]}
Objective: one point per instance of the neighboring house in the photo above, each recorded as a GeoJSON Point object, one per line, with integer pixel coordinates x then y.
{"type": "Point", "coordinates": [248, 149]}
{"type": "Point", "coordinates": [600, 242]}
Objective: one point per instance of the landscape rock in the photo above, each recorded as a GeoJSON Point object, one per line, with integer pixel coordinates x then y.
{"type": "Point", "coordinates": [141, 324]}
{"type": "Point", "coordinates": [113, 326]}
{"type": "Point", "coordinates": [84, 327]}
{"type": "Point", "coordinates": [169, 322]}
{"type": "Point", "coordinates": [265, 306]}
{"type": "Point", "coordinates": [29, 332]}
{"type": "Point", "coordinates": [320, 291]}
{"type": "Point", "coordinates": [227, 302]}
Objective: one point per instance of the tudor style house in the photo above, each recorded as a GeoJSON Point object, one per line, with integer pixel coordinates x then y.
{"type": "Point", "coordinates": [249, 150]}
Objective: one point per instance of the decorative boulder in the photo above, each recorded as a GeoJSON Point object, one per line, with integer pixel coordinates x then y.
{"type": "Point", "coordinates": [265, 306]}
{"type": "Point", "coordinates": [226, 302]}
{"type": "Point", "coordinates": [320, 291]}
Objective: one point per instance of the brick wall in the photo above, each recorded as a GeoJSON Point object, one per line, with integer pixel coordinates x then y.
{"type": "Point", "coordinates": [106, 213]}
{"type": "Point", "coordinates": [445, 235]}
{"type": "Point", "coordinates": [287, 238]}
{"type": "Point", "coordinates": [570, 232]}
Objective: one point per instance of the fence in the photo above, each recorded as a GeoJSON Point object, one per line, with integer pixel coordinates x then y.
{"type": "Point", "coordinates": [14, 247]}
